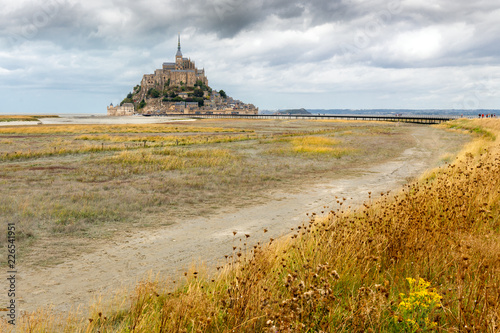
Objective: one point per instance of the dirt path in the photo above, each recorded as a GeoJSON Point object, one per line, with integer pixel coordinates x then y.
{"type": "Point", "coordinates": [171, 250]}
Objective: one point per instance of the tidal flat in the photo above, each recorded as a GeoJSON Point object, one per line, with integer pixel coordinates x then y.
{"type": "Point", "coordinates": [84, 190]}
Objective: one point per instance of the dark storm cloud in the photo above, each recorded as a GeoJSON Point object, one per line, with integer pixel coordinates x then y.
{"type": "Point", "coordinates": [227, 18]}
{"type": "Point", "coordinates": [71, 23]}
{"type": "Point", "coordinates": [365, 30]}
{"type": "Point", "coordinates": [136, 21]}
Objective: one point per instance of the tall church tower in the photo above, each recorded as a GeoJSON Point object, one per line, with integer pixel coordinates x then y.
{"type": "Point", "coordinates": [178, 55]}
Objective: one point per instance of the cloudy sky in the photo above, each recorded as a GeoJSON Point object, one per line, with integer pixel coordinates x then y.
{"type": "Point", "coordinates": [59, 56]}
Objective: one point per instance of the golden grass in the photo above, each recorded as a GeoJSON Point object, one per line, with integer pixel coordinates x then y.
{"type": "Point", "coordinates": [106, 143]}
{"type": "Point", "coordinates": [348, 272]}
{"type": "Point", "coordinates": [317, 146]}
{"type": "Point", "coordinates": [191, 139]}
{"type": "Point", "coordinates": [310, 146]}
{"type": "Point", "coordinates": [9, 118]}
{"type": "Point", "coordinates": [125, 128]}
{"type": "Point", "coordinates": [124, 137]}
{"type": "Point", "coordinates": [130, 137]}
{"type": "Point", "coordinates": [314, 141]}
{"type": "Point", "coordinates": [57, 151]}
{"type": "Point", "coordinates": [173, 159]}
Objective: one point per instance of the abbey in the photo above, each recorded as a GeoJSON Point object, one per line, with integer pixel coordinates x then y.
{"type": "Point", "coordinates": [181, 72]}
{"type": "Point", "coordinates": [178, 88]}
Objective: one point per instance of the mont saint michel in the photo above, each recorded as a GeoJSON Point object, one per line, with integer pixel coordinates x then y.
{"type": "Point", "coordinates": [178, 88]}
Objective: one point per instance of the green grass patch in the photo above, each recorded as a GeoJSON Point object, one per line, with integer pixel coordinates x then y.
{"type": "Point", "coordinates": [471, 127]}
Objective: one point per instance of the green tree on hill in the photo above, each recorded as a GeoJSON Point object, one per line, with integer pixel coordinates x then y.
{"type": "Point", "coordinates": [202, 86]}
{"type": "Point", "coordinates": [154, 93]}
{"type": "Point", "coordinates": [127, 100]}
{"type": "Point", "coordinates": [200, 101]}
{"type": "Point", "coordinates": [141, 105]}
{"type": "Point", "coordinates": [223, 94]}
{"type": "Point", "coordinates": [198, 92]}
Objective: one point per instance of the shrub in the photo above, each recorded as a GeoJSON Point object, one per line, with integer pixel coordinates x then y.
{"type": "Point", "coordinates": [141, 105]}
{"type": "Point", "coordinates": [154, 93]}
{"type": "Point", "coordinates": [127, 100]}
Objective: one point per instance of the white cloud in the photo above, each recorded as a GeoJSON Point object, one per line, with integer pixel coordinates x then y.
{"type": "Point", "coordinates": [417, 45]}
{"type": "Point", "coordinates": [329, 53]}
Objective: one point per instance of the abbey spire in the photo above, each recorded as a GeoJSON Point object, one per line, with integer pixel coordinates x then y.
{"type": "Point", "coordinates": [179, 53]}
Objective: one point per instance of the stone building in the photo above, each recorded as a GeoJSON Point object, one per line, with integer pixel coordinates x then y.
{"type": "Point", "coordinates": [127, 109]}
{"type": "Point", "coordinates": [175, 91]}
{"type": "Point", "coordinates": [181, 72]}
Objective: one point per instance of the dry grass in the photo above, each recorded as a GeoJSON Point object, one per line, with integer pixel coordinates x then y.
{"type": "Point", "coordinates": [310, 146]}
{"type": "Point", "coordinates": [174, 159]}
{"type": "Point", "coordinates": [318, 146]}
{"type": "Point", "coordinates": [103, 143]}
{"type": "Point", "coordinates": [9, 118]}
{"type": "Point", "coordinates": [328, 276]}
{"type": "Point", "coordinates": [125, 128]}
{"type": "Point", "coordinates": [348, 272]}
{"type": "Point", "coordinates": [169, 139]}
{"type": "Point", "coordinates": [84, 182]}
{"type": "Point", "coordinates": [57, 150]}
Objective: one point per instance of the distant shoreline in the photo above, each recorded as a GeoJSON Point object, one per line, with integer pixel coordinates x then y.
{"type": "Point", "coordinates": [391, 112]}
{"type": "Point", "coordinates": [373, 112]}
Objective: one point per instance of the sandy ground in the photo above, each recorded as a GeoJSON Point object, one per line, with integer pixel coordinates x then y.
{"type": "Point", "coordinates": [95, 119]}
{"type": "Point", "coordinates": [171, 250]}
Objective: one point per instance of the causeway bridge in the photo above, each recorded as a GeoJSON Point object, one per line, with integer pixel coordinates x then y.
{"type": "Point", "coordinates": [404, 119]}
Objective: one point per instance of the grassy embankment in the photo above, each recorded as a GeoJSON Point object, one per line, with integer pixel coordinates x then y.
{"type": "Point", "coordinates": [424, 259]}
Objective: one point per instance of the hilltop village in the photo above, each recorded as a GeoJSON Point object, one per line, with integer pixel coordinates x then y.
{"type": "Point", "coordinates": [178, 88]}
